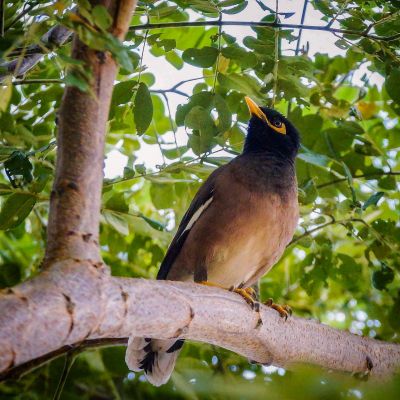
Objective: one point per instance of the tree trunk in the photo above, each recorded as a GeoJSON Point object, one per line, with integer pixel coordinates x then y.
{"type": "Point", "coordinates": [73, 229]}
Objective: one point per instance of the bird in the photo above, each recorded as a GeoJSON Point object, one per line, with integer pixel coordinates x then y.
{"type": "Point", "coordinates": [235, 229]}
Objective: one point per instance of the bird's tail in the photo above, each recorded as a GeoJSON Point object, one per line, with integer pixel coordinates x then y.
{"type": "Point", "coordinates": [153, 356]}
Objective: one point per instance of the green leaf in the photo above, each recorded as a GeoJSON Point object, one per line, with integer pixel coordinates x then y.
{"type": "Point", "coordinates": [15, 209]}
{"type": "Point", "coordinates": [73, 79]}
{"type": "Point", "coordinates": [199, 119]}
{"type": "Point", "coordinates": [314, 158]}
{"type": "Point", "coordinates": [5, 94]}
{"type": "Point", "coordinates": [382, 277]}
{"type": "Point", "coordinates": [204, 57]}
{"type": "Point", "coordinates": [117, 220]}
{"type": "Point", "coordinates": [117, 203]}
{"type": "Point", "coordinates": [224, 115]}
{"type": "Point", "coordinates": [392, 84]}
{"type": "Point", "coordinates": [308, 192]}
{"type": "Point", "coordinates": [373, 200]}
{"type": "Point", "coordinates": [241, 5]}
{"type": "Point", "coordinates": [162, 195]}
{"type": "Point", "coordinates": [10, 274]}
{"type": "Point", "coordinates": [387, 182]}
{"type": "Point", "coordinates": [18, 165]}
{"type": "Point", "coordinates": [242, 83]}
{"type": "Point", "coordinates": [242, 57]}
{"type": "Point", "coordinates": [123, 92]}
{"type": "Point", "coordinates": [143, 109]}
{"type": "Point", "coordinates": [101, 17]}
{"type": "Point", "coordinates": [153, 223]}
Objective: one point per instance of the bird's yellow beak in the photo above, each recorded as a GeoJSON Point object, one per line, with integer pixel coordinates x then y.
{"type": "Point", "coordinates": [255, 109]}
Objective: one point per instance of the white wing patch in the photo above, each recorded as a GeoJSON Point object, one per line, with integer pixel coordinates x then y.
{"type": "Point", "coordinates": [196, 215]}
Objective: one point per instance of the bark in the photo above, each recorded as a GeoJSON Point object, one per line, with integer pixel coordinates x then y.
{"type": "Point", "coordinates": [73, 227]}
{"type": "Point", "coordinates": [72, 303]}
{"type": "Point", "coordinates": [55, 37]}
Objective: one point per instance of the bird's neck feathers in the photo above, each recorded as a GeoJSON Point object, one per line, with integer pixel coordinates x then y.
{"type": "Point", "coordinates": [266, 172]}
{"type": "Point", "coordinates": [258, 147]}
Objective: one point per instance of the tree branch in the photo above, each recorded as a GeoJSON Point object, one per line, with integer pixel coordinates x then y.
{"type": "Point", "coordinates": [372, 175]}
{"type": "Point", "coordinates": [69, 305]}
{"type": "Point", "coordinates": [277, 25]}
{"type": "Point", "coordinates": [55, 37]}
{"type": "Point", "coordinates": [29, 366]}
{"type": "Point", "coordinates": [73, 226]}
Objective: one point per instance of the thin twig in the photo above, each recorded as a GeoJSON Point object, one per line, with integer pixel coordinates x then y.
{"type": "Point", "coordinates": [19, 82]}
{"type": "Point", "coordinates": [338, 14]}
{"type": "Point", "coordinates": [371, 175]}
{"type": "Point", "coordinates": [142, 55]}
{"type": "Point", "coordinates": [384, 19]}
{"type": "Point", "coordinates": [319, 227]}
{"type": "Point", "coordinates": [171, 121]}
{"type": "Point", "coordinates": [173, 88]}
{"type": "Point", "coordinates": [182, 24]}
{"type": "Point", "coordinates": [163, 91]}
{"type": "Point", "coordinates": [296, 52]}
{"type": "Point", "coordinates": [303, 17]}
{"type": "Point", "coordinates": [169, 168]}
{"type": "Point", "coordinates": [276, 57]}
{"type": "Point", "coordinates": [219, 53]}
{"type": "Point", "coordinates": [69, 360]}
{"type": "Point", "coordinates": [36, 81]}
{"type": "Point", "coordinates": [22, 369]}
{"type": "Point", "coordinates": [20, 16]}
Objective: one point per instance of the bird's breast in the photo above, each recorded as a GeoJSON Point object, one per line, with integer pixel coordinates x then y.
{"type": "Point", "coordinates": [251, 239]}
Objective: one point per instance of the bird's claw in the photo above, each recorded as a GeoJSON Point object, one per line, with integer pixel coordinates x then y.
{"type": "Point", "coordinates": [284, 310]}
{"type": "Point", "coordinates": [249, 294]}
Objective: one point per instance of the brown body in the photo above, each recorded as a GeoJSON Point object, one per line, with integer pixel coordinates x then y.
{"type": "Point", "coordinates": [255, 223]}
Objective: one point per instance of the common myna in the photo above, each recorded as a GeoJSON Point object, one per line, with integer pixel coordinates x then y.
{"type": "Point", "coordinates": [236, 227]}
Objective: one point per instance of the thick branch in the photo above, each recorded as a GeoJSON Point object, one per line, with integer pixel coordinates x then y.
{"type": "Point", "coordinates": [75, 199]}
{"type": "Point", "coordinates": [55, 37]}
{"type": "Point", "coordinates": [68, 304]}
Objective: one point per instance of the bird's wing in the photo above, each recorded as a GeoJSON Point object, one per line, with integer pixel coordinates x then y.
{"type": "Point", "coordinates": [201, 201]}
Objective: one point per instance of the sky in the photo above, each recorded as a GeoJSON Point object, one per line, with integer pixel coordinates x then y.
{"type": "Point", "coordinates": [166, 75]}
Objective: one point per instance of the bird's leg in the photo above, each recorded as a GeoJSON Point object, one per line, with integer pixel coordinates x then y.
{"type": "Point", "coordinates": [249, 294]}
{"type": "Point", "coordinates": [283, 310]}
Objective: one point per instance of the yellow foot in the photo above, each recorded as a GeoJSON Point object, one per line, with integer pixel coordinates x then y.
{"type": "Point", "coordinates": [284, 310]}
{"type": "Point", "coordinates": [249, 294]}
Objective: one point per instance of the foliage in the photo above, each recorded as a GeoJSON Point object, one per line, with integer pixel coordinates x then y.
{"type": "Point", "coordinates": [343, 265]}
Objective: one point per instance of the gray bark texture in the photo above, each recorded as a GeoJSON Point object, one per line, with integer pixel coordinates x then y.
{"type": "Point", "coordinates": [74, 302]}
{"type": "Point", "coordinates": [73, 227]}
{"type": "Point", "coordinates": [28, 58]}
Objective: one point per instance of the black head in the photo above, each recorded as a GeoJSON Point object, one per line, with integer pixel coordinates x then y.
{"type": "Point", "coordinates": [270, 132]}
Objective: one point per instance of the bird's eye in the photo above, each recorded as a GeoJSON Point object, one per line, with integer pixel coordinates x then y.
{"type": "Point", "coordinates": [277, 123]}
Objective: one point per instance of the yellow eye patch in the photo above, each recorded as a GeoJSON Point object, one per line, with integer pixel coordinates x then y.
{"type": "Point", "coordinates": [254, 109]}
{"type": "Point", "coordinates": [281, 128]}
